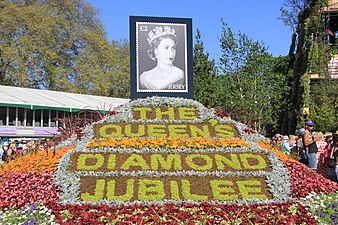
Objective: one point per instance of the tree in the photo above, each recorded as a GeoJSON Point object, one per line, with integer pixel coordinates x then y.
{"type": "Point", "coordinates": [120, 79]}
{"type": "Point", "coordinates": [250, 84]}
{"type": "Point", "coordinates": [204, 75]}
{"type": "Point", "coordinates": [290, 11]}
{"type": "Point", "coordinates": [281, 102]}
{"type": "Point", "coordinates": [308, 54]}
{"type": "Point", "coordinates": [324, 105]}
{"type": "Point", "coordinates": [57, 45]}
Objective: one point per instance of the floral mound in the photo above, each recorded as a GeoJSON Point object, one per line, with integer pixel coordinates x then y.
{"type": "Point", "coordinates": [146, 165]}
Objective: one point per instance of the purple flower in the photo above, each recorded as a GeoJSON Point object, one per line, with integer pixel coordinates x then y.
{"type": "Point", "coordinates": [333, 205]}
{"type": "Point", "coordinates": [34, 206]}
{"type": "Point", "coordinates": [31, 222]}
{"type": "Point", "coordinates": [323, 215]}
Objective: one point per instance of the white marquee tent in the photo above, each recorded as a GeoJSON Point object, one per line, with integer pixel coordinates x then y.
{"type": "Point", "coordinates": [43, 99]}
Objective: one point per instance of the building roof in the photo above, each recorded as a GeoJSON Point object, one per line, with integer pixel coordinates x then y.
{"type": "Point", "coordinates": [43, 99]}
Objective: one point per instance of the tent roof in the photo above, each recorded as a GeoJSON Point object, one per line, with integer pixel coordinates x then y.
{"type": "Point", "coordinates": [43, 99]}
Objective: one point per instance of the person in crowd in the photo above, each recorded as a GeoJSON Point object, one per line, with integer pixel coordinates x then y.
{"type": "Point", "coordinates": [293, 146]}
{"type": "Point", "coordinates": [4, 153]}
{"type": "Point", "coordinates": [331, 168]}
{"type": "Point", "coordinates": [309, 142]}
{"type": "Point", "coordinates": [11, 151]}
{"type": "Point", "coordinates": [162, 41]}
{"type": "Point", "coordinates": [274, 140]}
{"type": "Point", "coordinates": [292, 140]}
{"type": "Point", "coordinates": [31, 147]}
{"type": "Point", "coordinates": [328, 139]}
{"type": "Point", "coordinates": [19, 150]}
{"type": "Point", "coordinates": [41, 146]}
{"type": "Point", "coordinates": [334, 152]}
{"type": "Point", "coordinates": [285, 146]}
{"type": "Point", "coordinates": [24, 147]}
{"type": "Point", "coordinates": [321, 155]}
{"type": "Point", "coordinates": [1, 150]}
{"type": "Point", "coordinates": [300, 147]}
{"type": "Point", "coordinates": [277, 140]}
{"type": "Point", "coordinates": [292, 143]}
{"type": "Point", "coordinates": [269, 140]}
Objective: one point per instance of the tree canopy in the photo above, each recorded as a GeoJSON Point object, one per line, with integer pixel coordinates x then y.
{"type": "Point", "coordinates": [251, 85]}
{"type": "Point", "coordinates": [57, 45]}
{"type": "Point", "coordinates": [204, 75]}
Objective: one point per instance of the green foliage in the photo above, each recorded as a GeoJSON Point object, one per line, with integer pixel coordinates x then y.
{"type": "Point", "coordinates": [222, 190]}
{"type": "Point", "coordinates": [312, 57]}
{"type": "Point", "coordinates": [82, 161]}
{"type": "Point", "coordinates": [32, 214]}
{"type": "Point", "coordinates": [248, 77]}
{"type": "Point", "coordinates": [309, 54]}
{"type": "Point", "coordinates": [314, 34]}
{"type": "Point", "coordinates": [57, 45]}
{"type": "Point", "coordinates": [323, 207]}
{"type": "Point", "coordinates": [129, 191]}
{"type": "Point", "coordinates": [150, 190]}
{"type": "Point", "coordinates": [290, 11]}
{"type": "Point", "coordinates": [280, 103]}
{"type": "Point", "coordinates": [324, 106]}
{"type": "Point", "coordinates": [251, 189]}
{"type": "Point", "coordinates": [191, 163]}
{"type": "Point", "coordinates": [135, 160]}
{"type": "Point", "coordinates": [99, 189]}
{"type": "Point", "coordinates": [120, 77]}
{"type": "Point", "coordinates": [205, 81]}
{"type": "Point", "coordinates": [306, 89]}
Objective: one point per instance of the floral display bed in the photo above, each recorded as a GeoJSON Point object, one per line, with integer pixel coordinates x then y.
{"type": "Point", "coordinates": [165, 161]}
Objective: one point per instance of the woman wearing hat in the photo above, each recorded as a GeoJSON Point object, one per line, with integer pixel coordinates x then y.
{"type": "Point", "coordinates": [285, 145]}
{"type": "Point", "coordinates": [162, 41]}
{"type": "Point", "coordinates": [309, 141]}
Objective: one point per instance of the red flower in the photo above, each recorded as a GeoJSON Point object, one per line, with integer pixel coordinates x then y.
{"type": "Point", "coordinates": [23, 188]}
{"type": "Point", "coordinates": [304, 180]}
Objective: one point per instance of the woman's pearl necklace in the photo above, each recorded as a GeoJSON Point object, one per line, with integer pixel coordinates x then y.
{"type": "Point", "coordinates": [164, 75]}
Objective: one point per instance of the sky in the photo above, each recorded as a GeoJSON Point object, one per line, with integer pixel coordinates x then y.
{"type": "Point", "coordinates": [258, 19]}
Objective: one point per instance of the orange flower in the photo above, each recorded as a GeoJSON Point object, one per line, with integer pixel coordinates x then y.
{"type": "Point", "coordinates": [276, 151]}
{"type": "Point", "coordinates": [170, 142]}
{"type": "Point", "coordinates": [41, 161]}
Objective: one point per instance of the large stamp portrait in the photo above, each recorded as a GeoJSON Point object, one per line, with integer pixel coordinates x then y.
{"type": "Point", "coordinates": [161, 57]}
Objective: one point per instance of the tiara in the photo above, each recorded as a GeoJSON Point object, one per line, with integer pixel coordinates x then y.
{"type": "Point", "coordinates": [160, 31]}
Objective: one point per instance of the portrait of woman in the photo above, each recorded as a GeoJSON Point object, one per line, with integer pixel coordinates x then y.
{"type": "Point", "coordinates": [161, 57]}
{"type": "Point", "coordinates": [165, 75]}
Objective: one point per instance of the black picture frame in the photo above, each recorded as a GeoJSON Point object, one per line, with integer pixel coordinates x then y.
{"type": "Point", "coordinates": [140, 62]}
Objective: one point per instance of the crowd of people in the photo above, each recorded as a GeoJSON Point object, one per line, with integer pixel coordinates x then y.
{"type": "Point", "coordinates": [317, 150]}
{"type": "Point", "coordinates": [11, 149]}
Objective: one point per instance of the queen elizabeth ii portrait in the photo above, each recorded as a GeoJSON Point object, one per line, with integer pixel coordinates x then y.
{"type": "Point", "coordinates": [161, 58]}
